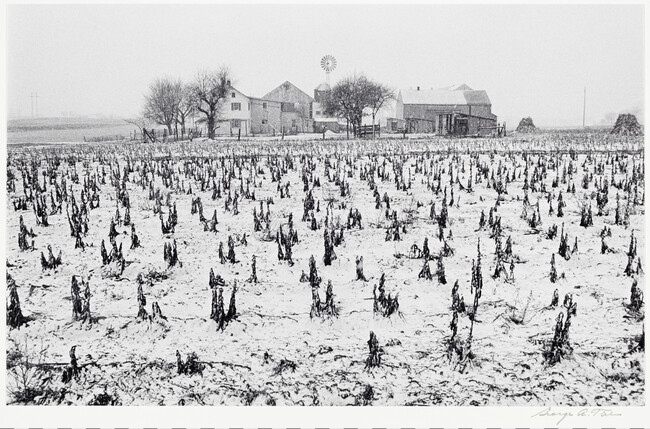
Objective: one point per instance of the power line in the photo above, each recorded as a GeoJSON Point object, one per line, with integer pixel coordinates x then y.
{"type": "Point", "coordinates": [584, 106]}
{"type": "Point", "coordinates": [34, 98]}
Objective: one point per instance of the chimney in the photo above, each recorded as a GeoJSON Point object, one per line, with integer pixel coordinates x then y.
{"type": "Point", "coordinates": [418, 88]}
{"type": "Point", "coordinates": [228, 82]}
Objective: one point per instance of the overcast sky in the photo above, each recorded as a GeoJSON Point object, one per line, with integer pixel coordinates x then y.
{"type": "Point", "coordinates": [532, 60]}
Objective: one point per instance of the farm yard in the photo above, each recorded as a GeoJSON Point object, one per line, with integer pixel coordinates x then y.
{"type": "Point", "coordinates": [392, 272]}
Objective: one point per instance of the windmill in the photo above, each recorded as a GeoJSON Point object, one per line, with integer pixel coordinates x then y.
{"type": "Point", "coordinates": [328, 63]}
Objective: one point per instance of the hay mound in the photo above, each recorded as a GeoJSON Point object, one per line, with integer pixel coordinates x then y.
{"type": "Point", "coordinates": [526, 125]}
{"type": "Point", "coordinates": [627, 125]}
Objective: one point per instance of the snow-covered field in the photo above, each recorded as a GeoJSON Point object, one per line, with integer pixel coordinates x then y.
{"type": "Point", "coordinates": [127, 361]}
{"type": "Point", "coordinates": [28, 131]}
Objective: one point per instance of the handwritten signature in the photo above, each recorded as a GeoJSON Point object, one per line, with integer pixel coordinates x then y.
{"type": "Point", "coordinates": [581, 412]}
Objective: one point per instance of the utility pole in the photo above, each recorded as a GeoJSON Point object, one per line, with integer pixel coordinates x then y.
{"type": "Point", "coordinates": [34, 97]}
{"type": "Point", "coordinates": [584, 106]}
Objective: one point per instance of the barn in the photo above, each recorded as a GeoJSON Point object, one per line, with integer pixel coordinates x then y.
{"type": "Point", "coordinates": [455, 111]}
{"type": "Point", "coordinates": [296, 108]}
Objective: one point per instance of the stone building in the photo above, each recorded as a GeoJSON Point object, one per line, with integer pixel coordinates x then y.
{"type": "Point", "coordinates": [266, 116]}
{"type": "Point", "coordinates": [457, 110]}
{"type": "Point", "coordinates": [296, 108]}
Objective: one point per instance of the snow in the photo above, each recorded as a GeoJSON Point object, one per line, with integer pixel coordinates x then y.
{"type": "Point", "coordinates": [136, 360]}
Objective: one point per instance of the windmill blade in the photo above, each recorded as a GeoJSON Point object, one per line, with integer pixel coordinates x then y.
{"type": "Point", "coordinates": [328, 63]}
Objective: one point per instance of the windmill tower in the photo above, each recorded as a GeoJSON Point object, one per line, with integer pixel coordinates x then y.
{"type": "Point", "coordinates": [328, 63]}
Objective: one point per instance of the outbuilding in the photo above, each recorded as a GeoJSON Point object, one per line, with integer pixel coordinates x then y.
{"type": "Point", "coordinates": [458, 110]}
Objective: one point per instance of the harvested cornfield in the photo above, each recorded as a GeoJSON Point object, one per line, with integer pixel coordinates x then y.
{"type": "Point", "coordinates": [389, 272]}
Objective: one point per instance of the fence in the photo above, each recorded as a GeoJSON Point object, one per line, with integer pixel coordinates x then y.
{"type": "Point", "coordinates": [369, 131]}
{"type": "Point", "coordinates": [154, 135]}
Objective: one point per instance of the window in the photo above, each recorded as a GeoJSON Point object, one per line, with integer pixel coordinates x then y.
{"type": "Point", "coordinates": [264, 106]}
{"type": "Point", "coordinates": [264, 121]}
{"type": "Point", "coordinates": [234, 95]}
{"type": "Point", "coordinates": [235, 123]}
{"type": "Point", "coordinates": [235, 106]}
{"type": "Point", "coordinates": [293, 123]}
{"type": "Point", "coordinates": [317, 112]}
{"type": "Point", "coordinates": [249, 106]}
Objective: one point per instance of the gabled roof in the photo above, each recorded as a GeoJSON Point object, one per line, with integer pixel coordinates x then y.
{"type": "Point", "coordinates": [232, 88]}
{"type": "Point", "coordinates": [279, 93]}
{"type": "Point", "coordinates": [432, 96]}
{"type": "Point", "coordinates": [445, 97]}
{"type": "Point", "coordinates": [477, 97]}
{"type": "Point", "coordinates": [458, 87]}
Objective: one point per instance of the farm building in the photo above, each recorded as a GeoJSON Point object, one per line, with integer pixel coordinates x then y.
{"type": "Point", "coordinates": [296, 108]}
{"type": "Point", "coordinates": [250, 115]}
{"type": "Point", "coordinates": [265, 116]}
{"type": "Point", "coordinates": [235, 114]}
{"type": "Point", "coordinates": [457, 110]}
{"type": "Point", "coordinates": [388, 117]}
{"type": "Point", "coordinates": [322, 122]}
{"type": "Point", "coordinates": [284, 109]}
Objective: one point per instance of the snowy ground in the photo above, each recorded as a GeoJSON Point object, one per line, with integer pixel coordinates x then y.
{"type": "Point", "coordinates": [135, 361]}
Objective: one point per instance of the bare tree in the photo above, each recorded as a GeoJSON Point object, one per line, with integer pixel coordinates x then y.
{"type": "Point", "coordinates": [186, 108]}
{"type": "Point", "coordinates": [377, 95]}
{"type": "Point", "coordinates": [162, 101]}
{"type": "Point", "coordinates": [352, 95]}
{"type": "Point", "coordinates": [347, 99]}
{"type": "Point", "coordinates": [208, 92]}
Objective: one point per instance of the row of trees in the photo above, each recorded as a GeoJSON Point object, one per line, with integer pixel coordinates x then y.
{"type": "Point", "coordinates": [171, 103]}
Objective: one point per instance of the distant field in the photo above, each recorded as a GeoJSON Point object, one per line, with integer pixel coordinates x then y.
{"type": "Point", "coordinates": [51, 130]}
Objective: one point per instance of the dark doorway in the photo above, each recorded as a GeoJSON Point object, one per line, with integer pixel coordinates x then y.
{"type": "Point", "coordinates": [461, 127]}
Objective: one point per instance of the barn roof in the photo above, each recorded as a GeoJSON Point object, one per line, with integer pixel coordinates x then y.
{"type": "Point", "coordinates": [280, 93]}
{"type": "Point", "coordinates": [477, 97]}
{"type": "Point", "coordinates": [459, 86]}
{"type": "Point", "coordinates": [445, 97]}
